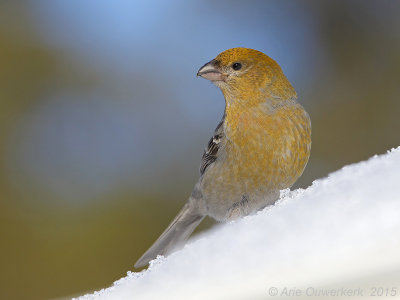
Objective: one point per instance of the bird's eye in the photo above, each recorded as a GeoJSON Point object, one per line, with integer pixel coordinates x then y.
{"type": "Point", "coordinates": [236, 66]}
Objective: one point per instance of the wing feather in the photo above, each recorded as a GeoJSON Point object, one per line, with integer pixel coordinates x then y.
{"type": "Point", "coordinates": [211, 152]}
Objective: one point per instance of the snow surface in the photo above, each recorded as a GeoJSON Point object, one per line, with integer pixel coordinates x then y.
{"type": "Point", "coordinates": [342, 230]}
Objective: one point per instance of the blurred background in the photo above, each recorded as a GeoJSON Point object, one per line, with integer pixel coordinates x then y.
{"type": "Point", "coordinates": [103, 121]}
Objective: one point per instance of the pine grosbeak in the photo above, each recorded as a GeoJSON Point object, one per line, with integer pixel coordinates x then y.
{"type": "Point", "coordinates": [260, 147]}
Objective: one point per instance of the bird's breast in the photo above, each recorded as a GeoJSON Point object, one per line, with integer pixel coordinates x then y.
{"type": "Point", "coordinates": [267, 150]}
{"type": "Point", "coordinates": [259, 155]}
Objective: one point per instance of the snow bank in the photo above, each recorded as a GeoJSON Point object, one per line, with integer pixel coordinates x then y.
{"type": "Point", "coordinates": [343, 231]}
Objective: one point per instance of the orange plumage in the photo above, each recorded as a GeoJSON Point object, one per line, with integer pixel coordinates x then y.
{"type": "Point", "coordinates": [261, 146]}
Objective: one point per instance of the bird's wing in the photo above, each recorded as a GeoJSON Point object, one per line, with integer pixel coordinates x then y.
{"type": "Point", "coordinates": [211, 151]}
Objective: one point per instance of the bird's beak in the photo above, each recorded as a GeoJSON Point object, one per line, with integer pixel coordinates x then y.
{"type": "Point", "coordinates": [211, 72]}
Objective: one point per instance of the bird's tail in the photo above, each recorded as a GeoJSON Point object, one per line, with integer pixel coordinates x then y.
{"type": "Point", "coordinates": [174, 236]}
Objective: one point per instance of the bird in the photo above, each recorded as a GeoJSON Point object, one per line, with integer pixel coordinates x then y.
{"type": "Point", "coordinates": [260, 147]}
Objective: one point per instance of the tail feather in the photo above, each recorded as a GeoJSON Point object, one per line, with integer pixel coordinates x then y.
{"type": "Point", "coordinates": [174, 236]}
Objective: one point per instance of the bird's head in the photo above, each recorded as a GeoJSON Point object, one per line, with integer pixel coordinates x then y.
{"type": "Point", "coordinates": [243, 73]}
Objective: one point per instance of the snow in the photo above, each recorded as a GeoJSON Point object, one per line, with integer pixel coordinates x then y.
{"type": "Point", "coordinates": [342, 231]}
